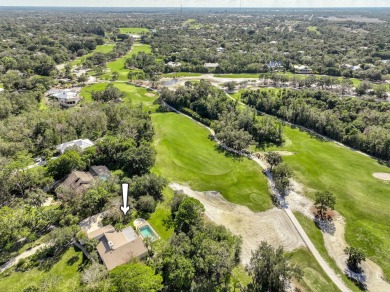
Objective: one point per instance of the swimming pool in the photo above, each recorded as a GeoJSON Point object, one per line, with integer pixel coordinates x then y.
{"type": "Point", "coordinates": [146, 231]}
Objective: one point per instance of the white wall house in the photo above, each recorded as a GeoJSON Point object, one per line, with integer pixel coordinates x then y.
{"type": "Point", "coordinates": [66, 97]}
{"type": "Point", "coordinates": [302, 69]}
{"type": "Point", "coordinates": [81, 143]}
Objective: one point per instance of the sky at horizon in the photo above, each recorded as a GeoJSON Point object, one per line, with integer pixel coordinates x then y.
{"type": "Point", "coordinates": [200, 3]}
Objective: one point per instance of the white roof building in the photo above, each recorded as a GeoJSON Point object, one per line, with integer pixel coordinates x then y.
{"type": "Point", "coordinates": [302, 69]}
{"type": "Point", "coordinates": [1, 89]}
{"type": "Point", "coordinates": [81, 143]}
{"type": "Point", "coordinates": [211, 65]}
{"type": "Point", "coordinates": [66, 97]}
{"type": "Point", "coordinates": [174, 64]}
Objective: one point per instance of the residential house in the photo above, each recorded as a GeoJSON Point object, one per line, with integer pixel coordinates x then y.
{"type": "Point", "coordinates": [77, 181]}
{"type": "Point", "coordinates": [302, 69]}
{"type": "Point", "coordinates": [211, 65]}
{"type": "Point", "coordinates": [66, 97]}
{"type": "Point", "coordinates": [174, 64]}
{"type": "Point", "coordinates": [81, 143]}
{"type": "Point", "coordinates": [273, 65]}
{"type": "Point", "coordinates": [117, 248]}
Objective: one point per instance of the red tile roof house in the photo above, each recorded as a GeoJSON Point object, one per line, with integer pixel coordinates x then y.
{"type": "Point", "coordinates": [117, 248]}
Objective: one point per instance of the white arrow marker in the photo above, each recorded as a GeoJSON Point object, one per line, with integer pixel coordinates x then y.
{"type": "Point", "coordinates": [125, 208]}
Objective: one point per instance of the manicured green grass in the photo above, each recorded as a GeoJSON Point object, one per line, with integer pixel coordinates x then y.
{"type": "Point", "coordinates": [244, 75]}
{"type": "Point", "coordinates": [134, 95]}
{"type": "Point", "coordinates": [63, 276]}
{"type": "Point", "coordinates": [119, 64]}
{"type": "Point", "coordinates": [314, 278]}
{"type": "Point", "coordinates": [182, 74]}
{"type": "Point", "coordinates": [362, 199]}
{"type": "Point", "coordinates": [186, 155]}
{"type": "Point", "coordinates": [106, 48]}
{"type": "Point", "coordinates": [135, 30]}
{"type": "Point", "coordinates": [163, 212]}
{"type": "Point", "coordinates": [318, 240]}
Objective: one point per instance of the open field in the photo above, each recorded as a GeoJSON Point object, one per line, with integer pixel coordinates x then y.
{"type": "Point", "coordinates": [106, 48]}
{"type": "Point", "coordinates": [135, 30]}
{"type": "Point", "coordinates": [314, 278]}
{"type": "Point", "coordinates": [134, 95]}
{"type": "Point", "coordinates": [272, 226]}
{"type": "Point", "coordinates": [186, 155]}
{"type": "Point", "coordinates": [119, 64]}
{"type": "Point", "coordinates": [63, 276]}
{"type": "Point", "coordinates": [361, 198]}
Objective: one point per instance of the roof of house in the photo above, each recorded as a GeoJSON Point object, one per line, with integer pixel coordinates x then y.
{"type": "Point", "coordinates": [100, 232]}
{"type": "Point", "coordinates": [81, 143]}
{"type": "Point", "coordinates": [211, 65]}
{"type": "Point", "coordinates": [100, 171]}
{"type": "Point", "coordinates": [64, 93]}
{"type": "Point", "coordinates": [78, 181]}
{"type": "Point", "coordinates": [117, 248]}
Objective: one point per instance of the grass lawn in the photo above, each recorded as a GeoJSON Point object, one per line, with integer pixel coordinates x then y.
{"type": "Point", "coordinates": [106, 48]}
{"type": "Point", "coordinates": [163, 212]}
{"type": "Point", "coordinates": [316, 237]}
{"type": "Point", "coordinates": [63, 276]}
{"type": "Point", "coordinates": [119, 64]}
{"type": "Point", "coordinates": [362, 199]}
{"type": "Point", "coordinates": [314, 278]}
{"type": "Point", "coordinates": [182, 74]}
{"type": "Point", "coordinates": [135, 30]}
{"type": "Point", "coordinates": [134, 95]}
{"type": "Point", "coordinates": [243, 75]}
{"type": "Point", "coordinates": [186, 155]}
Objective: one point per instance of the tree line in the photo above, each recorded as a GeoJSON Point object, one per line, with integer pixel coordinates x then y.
{"type": "Point", "coordinates": [359, 123]}
{"type": "Point", "coordinates": [234, 127]}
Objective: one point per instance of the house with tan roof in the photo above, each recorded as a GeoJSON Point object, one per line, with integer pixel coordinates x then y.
{"type": "Point", "coordinates": [117, 248]}
{"type": "Point", "coordinates": [78, 181]}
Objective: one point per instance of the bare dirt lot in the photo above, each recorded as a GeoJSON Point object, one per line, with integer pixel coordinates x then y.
{"type": "Point", "coordinates": [272, 226]}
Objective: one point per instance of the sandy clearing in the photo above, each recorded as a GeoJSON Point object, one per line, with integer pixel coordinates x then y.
{"type": "Point", "coordinates": [382, 175]}
{"type": "Point", "coordinates": [335, 245]}
{"type": "Point", "coordinates": [150, 94]}
{"type": "Point", "coordinates": [273, 226]}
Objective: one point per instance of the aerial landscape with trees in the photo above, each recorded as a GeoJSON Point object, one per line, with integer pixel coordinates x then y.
{"type": "Point", "coordinates": [250, 148]}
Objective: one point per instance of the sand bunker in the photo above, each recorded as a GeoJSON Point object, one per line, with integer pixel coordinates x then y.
{"type": "Point", "coordinates": [382, 175]}
{"type": "Point", "coordinates": [272, 226]}
{"type": "Point", "coordinates": [150, 94]}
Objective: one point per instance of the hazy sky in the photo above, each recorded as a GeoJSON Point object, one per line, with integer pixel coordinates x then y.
{"type": "Point", "coordinates": [200, 3]}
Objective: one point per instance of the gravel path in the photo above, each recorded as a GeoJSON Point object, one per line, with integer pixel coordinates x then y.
{"type": "Point", "coordinates": [23, 255]}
